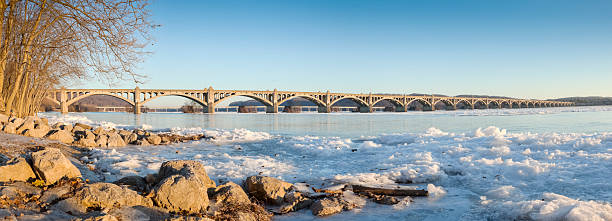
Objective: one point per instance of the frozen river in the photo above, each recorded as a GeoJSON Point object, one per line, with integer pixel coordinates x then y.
{"type": "Point", "coordinates": [508, 164]}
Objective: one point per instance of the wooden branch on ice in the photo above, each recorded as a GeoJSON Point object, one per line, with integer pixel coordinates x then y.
{"type": "Point", "coordinates": [389, 192]}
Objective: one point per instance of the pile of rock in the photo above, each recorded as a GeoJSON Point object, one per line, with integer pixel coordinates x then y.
{"type": "Point", "coordinates": [85, 135]}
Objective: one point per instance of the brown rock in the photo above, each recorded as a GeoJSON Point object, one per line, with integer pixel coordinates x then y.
{"type": "Point", "coordinates": [51, 165]}
{"type": "Point", "coordinates": [101, 140]}
{"type": "Point", "coordinates": [63, 136]}
{"type": "Point", "coordinates": [326, 207]}
{"type": "Point", "coordinates": [154, 139]}
{"type": "Point", "coordinates": [267, 189]}
{"type": "Point", "coordinates": [16, 169]}
{"type": "Point", "coordinates": [182, 194]}
{"type": "Point", "coordinates": [295, 201]}
{"type": "Point", "coordinates": [230, 194]}
{"type": "Point", "coordinates": [108, 195]}
{"type": "Point", "coordinates": [186, 167]}
{"type": "Point", "coordinates": [115, 140]}
{"type": "Point", "coordinates": [39, 133]}
{"type": "Point", "coordinates": [84, 126]}
{"type": "Point", "coordinates": [135, 183]}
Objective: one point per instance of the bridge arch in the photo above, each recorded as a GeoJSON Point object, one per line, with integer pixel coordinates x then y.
{"type": "Point", "coordinates": [448, 105]}
{"type": "Point", "coordinates": [309, 98]}
{"type": "Point", "coordinates": [465, 104]}
{"type": "Point", "coordinates": [426, 104]}
{"type": "Point", "coordinates": [480, 104]}
{"type": "Point", "coordinates": [493, 104]}
{"type": "Point", "coordinates": [515, 104]}
{"type": "Point", "coordinates": [252, 96]}
{"type": "Point", "coordinates": [195, 99]}
{"type": "Point", "coordinates": [505, 104]}
{"type": "Point", "coordinates": [79, 97]}
{"type": "Point", "coordinates": [393, 101]}
{"type": "Point", "coordinates": [360, 102]}
{"type": "Point", "coordinates": [530, 105]}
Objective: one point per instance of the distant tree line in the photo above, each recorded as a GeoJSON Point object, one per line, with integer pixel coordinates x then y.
{"type": "Point", "coordinates": [44, 43]}
{"type": "Point", "coordinates": [587, 101]}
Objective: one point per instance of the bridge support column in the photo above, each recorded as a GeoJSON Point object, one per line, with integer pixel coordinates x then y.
{"type": "Point", "coordinates": [210, 100]}
{"type": "Point", "coordinates": [63, 101]}
{"type": "Point", "coordinates": [137, 101]}
{"type": "Point", "coordinates": [366, 109]}
{"type": "Point", "coordinates": [325, 109]}
{"type": "Point", "coordinates": [274, 108]}
{"type": "Point", "coordinates": [403, 108]}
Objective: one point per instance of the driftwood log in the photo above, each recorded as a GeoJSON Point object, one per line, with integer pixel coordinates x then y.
{"type": "Point", "coordinates": [388, 192]}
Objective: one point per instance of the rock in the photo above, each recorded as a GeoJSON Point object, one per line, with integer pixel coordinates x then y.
{"type": "Point", "coordinates": [108, 195]}
{"type": "Point", "coordinates": [77, 129]}
{"type": "Point", "coordinates": [17, 121]}
{"type": "Point", "coordinates": [129, 213]}
{"type": "Point", "coordinates": [85, 142]}
{"type": "Point", "coordinates": [50, 215]}
{"type": "Point", "coordinates": [295, 201]}
{"type": "Point", "coordinates": [3, 119]}
{"type": "Point", "coordinates": [51, 165]}
{"type": "Point", "coordinates": [115, 140]}
{"type": "Point", "coordinates": [124, 133]}
{"type": "Point", "coordinates": [55, 193]}
{"type": "Point", "coordinates": [16, 169]}
{"type": "Point", "coordinates": [131, 138]}
{"type": "Point", "coordinates": [135, 183]}
{"type": "Point", "coordinates": [63, 136]}
{"type": "Point", "coordinates": [186, 167]}
{"type": "Point", "coordinates": [43, 121]}
{"type": "Point", "coordinates": [182, 194]}
{"type": "Point", "coordinates": [70, 205]}
{"type": "Point", "coordinates": [389, 191]}
{"type": "Point", "coordinates": [101, 140]}
{"type": "Point", "coordinates": [231, 194]}
{"type": "Point", "coordinates": [99, 130]}
{"type": "Point", "coordinates": [39, 133]}
{"type": "Point", "coordinates": [19, 190]}
{"type": "Point", "coordinates": [154, 139]}
{"type": "Point", "coordinates": [27, 125]}
{"type": "Point", "coordinates": [66, 127]}
{"type": "Point", "coordinates": [326, 207]}
{"type": "Point", "coordinates": [84, 126]}
{"type": "Point", "coordinates": [9, 128]}
{"type": "Point", "coordinates": [267, 189]}
{"type": "Point", "coordinates": [151, 178]}
{"type": "Point", "coordinates": [142, 142]}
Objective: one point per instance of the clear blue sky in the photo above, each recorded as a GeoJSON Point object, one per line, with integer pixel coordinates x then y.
{"type": "Point", "coordinates": [523, 49]}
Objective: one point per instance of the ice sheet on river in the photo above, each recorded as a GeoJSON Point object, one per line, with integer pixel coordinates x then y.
{"type": "Point", "coordinates": [485, 174]}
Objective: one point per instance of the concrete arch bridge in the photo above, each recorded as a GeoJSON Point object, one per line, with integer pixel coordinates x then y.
{"type": "Point", "coordinates": [210, 98]}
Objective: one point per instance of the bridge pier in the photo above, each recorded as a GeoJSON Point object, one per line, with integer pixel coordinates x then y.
{"type": "Point", "coordinates": [366, 109]}
{"type": "Point", "coordinates": [325, 109]}
{"type": "Point", "coordinates": [272, 109]}
{"type": "Point", "coordinates": [137, 107]}
{"type": "Point", "coordinates": [63, 101]}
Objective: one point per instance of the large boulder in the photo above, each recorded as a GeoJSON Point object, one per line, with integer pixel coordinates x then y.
{"type": "Point", "coordinates": [86, 142]}
{"type": "Point", "coordinates": [186, 167]}
{"type": "Point", "coordinates": [115, 140]}
{"type": "Point", "coordinates": [51, 165]}
{"type": "Point", "coordinates": [17, 169]}
{"type": "Point", "coordinates": [230, 194]}
{"type": "Point", "coordinates": [76, 129]}
{"type": "Point", "coordinates": [267, 189]}
{"type": "Point", "coordinates": [108, 195]}
{"type": "Point", "coordinates": [182, 194]}
{"type": "Point", "coordinates": [130, 138]}
{"type": "Point", "coordinates": [63, 136]}
{"type": "Point", "coordinates": [10, 128]}
{"type": "Point", "coordinates": [84, 126]}
{"type": "Point", "coordinates": [295, 201]}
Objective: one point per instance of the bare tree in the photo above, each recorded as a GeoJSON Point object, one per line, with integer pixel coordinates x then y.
{"type": "Point", "coordinates": [46, 42]}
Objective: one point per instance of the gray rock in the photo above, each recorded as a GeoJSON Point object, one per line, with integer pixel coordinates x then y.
{"type": "Point", "coordinates": [181, 194]}
{"type": "Point", "coordinates": [231, 194]}
{"type": "Point", "coordinates": [154, 139]}
{"type": "Point", "coordinates": [108, 195]}
{"type": "Point", "coordinates": [19, 189]}
{"type": "Point", "coordinates": [17, 169]}
{"type": "Point", "coordinates": [63, 136]}
{"type": "Point", "coordinates": [186, 167]}
{"type": "Point", "coordinates": [267, 189]}
{"type": "Point", "coordinates": [326, 207]}
{"type": "Point", "coordinates": [115, 140]}
{"type": "Point", "coordinates": [84, 126]}
{"type": "Point", "coordinates": [51, 165]}
{"type": "Point", "coordinates": [51, 215]}
{"type": "Point", "coordinates": [70, 205]}
{"type": "Point", "coordinates": [55, 193]}
{"type": "Point", "coordinates": [135, 183]}
{"type": "Point", "coordinates": [129, 213]}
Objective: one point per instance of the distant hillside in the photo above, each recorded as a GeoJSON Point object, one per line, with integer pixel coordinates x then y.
{"type": "Point", "coordinates": [587, 101]}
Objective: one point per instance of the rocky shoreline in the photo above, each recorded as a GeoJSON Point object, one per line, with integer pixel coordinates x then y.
{"type": "Point", "coordinates": [45, 180]}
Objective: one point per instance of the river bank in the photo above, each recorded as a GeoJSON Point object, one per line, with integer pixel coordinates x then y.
{"type": "Point", "coordinates": [477, 174]}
